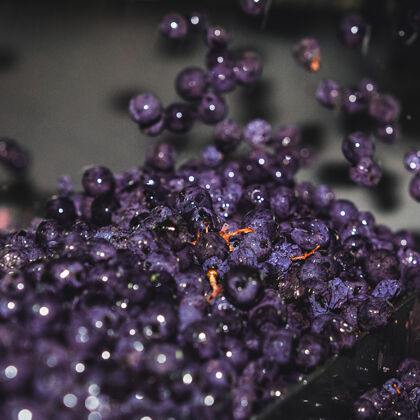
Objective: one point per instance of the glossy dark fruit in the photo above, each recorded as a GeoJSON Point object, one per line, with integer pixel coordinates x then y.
{"type": "Point", "coordinates": [242, 286]}
{"type": "Point", "coordinates": [98, 181]}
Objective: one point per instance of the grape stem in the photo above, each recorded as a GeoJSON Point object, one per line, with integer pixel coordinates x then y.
{"type": "Point", "coordinates": [305, 255]}
{"type": "Point", "coordinates": [216, 288]}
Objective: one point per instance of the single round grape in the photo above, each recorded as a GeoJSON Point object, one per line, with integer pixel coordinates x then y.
{"type": "Point", "coordinates": [191, 83]}
{"type": "Point", "coordinates": [179, 118]}
{"type": "Point", "coordinates": [353, 29]}
{"type": "Point", "coordinates": [61, 209]}
{"type": "Point", "coordinates": [414, 187]}
{"type": "Point", "coordinates": [173, 26]}
{"type": "Point", "coordinates": [412, 161]}
{"type": "Point", "coordinates": [243, 287]}
{"type": "Point", "coordinates": [145, 109]}
{"type": "Point", "coordinates": [327, 93]}
{"type": "Point", "coordinates": [98, 181]}
{"type": "Point", "coordinates": [212, 108]}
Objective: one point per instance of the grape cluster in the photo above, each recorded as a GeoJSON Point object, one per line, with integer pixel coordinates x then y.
{"type": "Point", "coordinates": [357, 147]}
{"type": "Point", "coordinates": [382, 108]}
{"type": "Point", "coordinates": [202, 89]}
{"type": "Point", "coordinates": [208, 289]}
{"type": "Point", "coordinates": [398, 398]}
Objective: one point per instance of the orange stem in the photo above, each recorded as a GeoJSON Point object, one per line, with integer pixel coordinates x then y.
{"type": "Point", "coordinates": [305, 255]}
{"type": "Point", "coordinates": [395, 386]}
{"type": "Point", "coordinates": [216, 288]}
{"type": "Point", "coordinates": [315, 63]}
{"type": "Point", "coordinates": [227, 235]}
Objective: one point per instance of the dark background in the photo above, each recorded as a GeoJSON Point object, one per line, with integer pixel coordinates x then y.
{"type": "Point", "coordinates": [68, 69]}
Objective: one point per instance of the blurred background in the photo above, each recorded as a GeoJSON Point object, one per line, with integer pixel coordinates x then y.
{"type": "Point", "coordinates": [68, 70]}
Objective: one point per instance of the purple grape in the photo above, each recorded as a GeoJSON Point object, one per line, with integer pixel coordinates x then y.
{"type": "Point", "coordinates": [342, 212]}
{"type": "Point", "coordinates": [161, 156]}
{"type": "Point", "coordinates": [367, 87]}
{"type": "Point", "coordinates": [384, 108]}
{"type": "Point", "coordinates": [412, 161]}
{"type": "Point", "coordinates": [222, 78]}
{"type": "Point", "coordinates": [212, 108]}
{"type": "Point", "coordinates": [173, 26]}
{"type": "Point", "coordinates": [145, 109]}
{"type": "Point", "coordinates": [242, 286]}
{"type": "Point", "coordinates": [307, 53]}
{"type": "Point", "coordinates": [198, 20]}
{"type": "Point", "coordinates": [327, 93]}
{"type": "Point", "coordinates": [353, 30]}
{"type": "Point", "coordinates": [277, 347]}
{"type": "Point", "coordinates": [366, 172]}
{"type": "Point", "coordinates": [414, 187]}
{"type": "Point", "coordinates": [364, 410]}
{"type": "Point", "coordinates": [217, 37]}
{"type": "Point", "coordinates": [353, 101]}
{"type": "Point", "coordinates": [311, 351]}
{"type": "Point", "coordinates": [257, 132]}
{"type": "Point", "coordinates": [247, 68]}
{"type": "Point", "coordinates": [179, 118]}
{"type": "Point", "coordinates": [191, 83]}
{"type": "Point", "coordinates": [388, 133]}
{"type": "Point", "coordinates": [254, 7]}
{"type": "Point", "coordinates": [217, 56]}
{"type": "Point", "coordinates": [61, 209]}
{"type": "Point", "coordinates": [227, 135]}
{"type": "Point", "coordinates": [98, 181]}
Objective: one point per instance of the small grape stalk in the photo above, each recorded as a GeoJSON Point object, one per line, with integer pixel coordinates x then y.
{"type": "Point", "coordinates": [305, 255]}
{"type": "Point", "coordinates": [213, 274]}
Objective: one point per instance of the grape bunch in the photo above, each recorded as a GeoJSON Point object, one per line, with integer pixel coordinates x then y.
{"type": "Point", "coordinates": [208, 289]}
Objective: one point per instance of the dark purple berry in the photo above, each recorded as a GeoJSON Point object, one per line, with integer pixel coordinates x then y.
{"type": "Point", "coordinates": [366, 172]}
{"type": "Point", "coordinates": [98, 181]}
{"type": "Point", "coordinates": [242, 286]}
{"type": "Point", "coordinates": [217, 37]}
{"type": "Point", "coordinates": [198, 20]}
{"type": "Point", "coordinates": [353, 101]}
{"type": "Point", "coordinates": [412, 161]}
{"type": "Point", "coordinates": [357, 145]}
{"type": "Point", "coordinates": [247, 68]}
{"type": "Point", "coordinates": [414, 187]}
{"type": "Point", "coordinates": [257, 132]}
{"type": "Point", "coordinates": [61, 209]}
{"type": "Point", "coordinates": [364, 410]}
{"type": "Point", "coordinates": [173, 26]}
{"type": "Point", "coordinates": [161, 156]}
{"type": "Point", "coordinates": [254, 7]}
{"type": "Point", "coordinates": [227, 135]}
{"type": "Point", "coordinates": [191, 83]}
{"type": "Point", "coordinates": [382, 265]}
{"type": "Point", "coordinates": [179, 118]}
{"type": "Point", "coordinates": [384, 108]}
{"type": "Point", "coordinates": [367, 87]}
{"type": "Point", "coordinates": [145, 109]}
{"type": "Point", "coordinates": [101, 211]}
{"type": "Point", "coordinates": [327, 93]}
{"type": "Point", "coordinates": [222, 78]}
{"type": "Point", "coordinates": [212, 108]}
{"type": "Point", "coordinates": [211, 156]}
{"type": "Point", "coordinates": [311, 351]}
{"type": "Point", "coordinates": [307, 53]}
{"type": "Point", "coordinates": [353, 30]}
{"type": "Point", "coordinates": [388, 133]}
